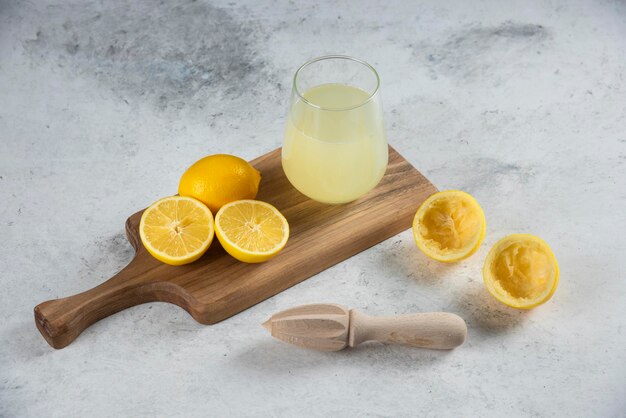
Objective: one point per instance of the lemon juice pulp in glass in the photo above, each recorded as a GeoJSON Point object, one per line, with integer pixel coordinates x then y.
{"type": "Point", "coordinates": [335, 148]}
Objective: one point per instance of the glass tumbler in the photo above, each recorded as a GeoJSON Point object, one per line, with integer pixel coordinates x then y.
{"type": "Point", "coordinates": [335, 149]}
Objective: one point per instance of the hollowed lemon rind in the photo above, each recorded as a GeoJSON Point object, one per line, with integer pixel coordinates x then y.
{"type": "Point", "coordinates": [449, 256]}
{"type": "Point", "coordinates": [504, 296]}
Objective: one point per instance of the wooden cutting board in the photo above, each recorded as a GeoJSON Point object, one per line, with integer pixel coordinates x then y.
{"type": "Point", "coordinates": [217, 286]}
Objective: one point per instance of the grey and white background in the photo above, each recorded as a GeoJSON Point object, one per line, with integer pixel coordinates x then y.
{"type": "Point", "coordinates": [521, 103]}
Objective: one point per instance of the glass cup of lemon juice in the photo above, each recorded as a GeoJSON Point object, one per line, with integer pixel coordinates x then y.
{"type": "Point", "coordinates": [335, 149]}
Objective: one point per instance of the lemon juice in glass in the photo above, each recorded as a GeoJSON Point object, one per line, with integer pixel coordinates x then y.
{"type": "Point", "coordinates": [335, 148]}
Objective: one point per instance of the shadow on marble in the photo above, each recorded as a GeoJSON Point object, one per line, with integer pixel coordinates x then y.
{"type": "Point", "coordinates": [485, 314]}
{"type": "Point", "coordinates": [404, 259]}
{"type": "Point", "coordinates": [24, 342]}
{"type": "Point", "coordinates": [278, 358]}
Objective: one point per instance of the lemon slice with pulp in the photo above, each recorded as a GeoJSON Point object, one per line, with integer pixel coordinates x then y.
{"type": "Point", "coordinates": [521, 271]}
{"type": "Point", "coordinates": [251, 231]}
{"type": "Point", "coordinates": [176, 230]}
{"type": "Point", "coordinates": [449, 226]}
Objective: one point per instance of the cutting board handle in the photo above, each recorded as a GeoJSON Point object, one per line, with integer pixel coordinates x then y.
{"type": "Point", "coordinates": [437, 330]}
{"type": "Point", "coordinates": [60, 321]}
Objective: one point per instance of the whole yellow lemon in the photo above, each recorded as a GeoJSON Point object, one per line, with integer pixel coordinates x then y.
{"type": "Point", "coordinates": [219, 179]}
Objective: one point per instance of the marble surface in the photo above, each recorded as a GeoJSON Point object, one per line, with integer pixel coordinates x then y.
{"type": "Point", "coordinates": [522, 104]}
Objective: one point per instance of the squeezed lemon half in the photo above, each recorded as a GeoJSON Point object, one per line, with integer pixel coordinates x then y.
{"type": "Point", "coordinates": [176, 230]}
{"type": "Point", "coordinates": [251, 231]}
{"type": "Point", "coordinates": [449, 226]}
{"type": "Point", "coordinates": [521, 271]}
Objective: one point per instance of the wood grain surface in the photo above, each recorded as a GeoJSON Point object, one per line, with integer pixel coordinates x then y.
{"type": "Point", "coordinates": [217, 286]}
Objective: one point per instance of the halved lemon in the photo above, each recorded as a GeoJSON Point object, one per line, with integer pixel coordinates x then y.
{"type": "Point", "coordinates": [251, 231]}
{"type": "Point", "coordinates": [521, 271]}
{"type": "Point", "coordinates": [449, 226]}
{"type": "Point", "coordinates": [176, 230]}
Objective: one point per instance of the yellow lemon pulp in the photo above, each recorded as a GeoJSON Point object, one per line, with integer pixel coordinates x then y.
{"type": "Point", "coordinates": [251, 231]}
{"type": "Point", "coordinates": [449, 226]}
{"type": "Point", "coordinates": [521, 271]}
{"type": "Point", "coordinates": [219, 179]}
{"type": "Point", "coordinates": [176, 230]}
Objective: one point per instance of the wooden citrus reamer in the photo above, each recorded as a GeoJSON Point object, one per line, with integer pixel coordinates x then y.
{"type": "Point", "coordinates": [329, 327]}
